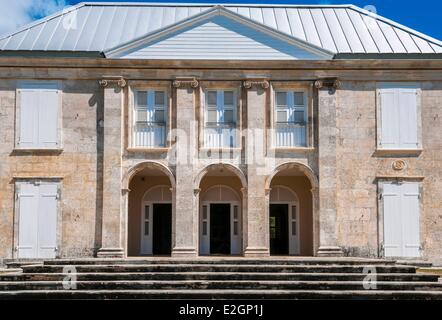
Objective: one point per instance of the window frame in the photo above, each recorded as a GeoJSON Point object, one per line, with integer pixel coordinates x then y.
{"type": "Point", "coordinates": [36, 84]}
{"type": "Point", "coordinates": [308, 114]}
{"type": "Point", "coordinates": [134, 87]}
{"type": "Point", "coordinates": [235, 87]}
{"type": "Point", "coordinates": [399, 149]}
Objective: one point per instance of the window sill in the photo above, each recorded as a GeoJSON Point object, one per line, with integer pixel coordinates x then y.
{"type": "Point", "coordinates": [234, 149]}
{"type": "Point", "coordinates": [398, 152]}
{"type": "Point", "coordinates": [292, 149]}
{"type": "Point", "coordinates": [148, 150]}
{"type": "Point", "coordinates": [37, 151]}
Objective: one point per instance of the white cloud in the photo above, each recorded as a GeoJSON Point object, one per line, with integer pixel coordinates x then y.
{"type": "Point", "coordinates": [15, 13]}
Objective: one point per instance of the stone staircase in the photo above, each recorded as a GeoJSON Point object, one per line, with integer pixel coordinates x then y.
{"type": "Point", "coordinates": [217, 278]}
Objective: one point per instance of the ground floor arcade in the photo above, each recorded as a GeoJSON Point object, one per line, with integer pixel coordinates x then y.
{"type": "Point", "coordinates": [220, 209]}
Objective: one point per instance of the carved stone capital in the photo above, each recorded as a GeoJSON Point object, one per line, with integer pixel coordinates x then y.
{"type": "Point", "coordinates": [112, 81]}
{"type": "Point", "coordinates": [185, 82]}
{"type": "Point", "coordinates": [248, 84]}
{"type": "Point", "coordinates": [328, 83]}
{"type": "Point", "coordinates": [196, 191]}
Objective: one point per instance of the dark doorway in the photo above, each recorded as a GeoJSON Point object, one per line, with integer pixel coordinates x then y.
{"type": "Point", "coordinates": [220, 228]}
{"type": "Point", "coordinates": [162, 229]}
{"type": "Point", "coordinates": [279, 229]}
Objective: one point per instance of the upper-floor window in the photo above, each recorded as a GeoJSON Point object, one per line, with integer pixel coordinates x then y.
{"type": "Point", "coordinates": [150, 118]}
{"type": "Point", "coordinates": [220, 119]}
{"type": "Point", "coordinates": [290, 118]}
{"type": "Point", "coordinates": [398, 116]}
{"type": "Point", "coordinates": [38, 109]}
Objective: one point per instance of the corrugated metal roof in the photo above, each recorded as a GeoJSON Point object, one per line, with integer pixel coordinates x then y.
{"type": "Point", "coordinates": [99, 27]}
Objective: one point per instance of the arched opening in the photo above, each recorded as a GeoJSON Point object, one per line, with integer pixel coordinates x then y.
{"type": "Point", "coordinates": [150, 211]}
{"type": "Point", "coordinates": [291, 208]}
{"type": "Point", "coordinates": [220, 211]}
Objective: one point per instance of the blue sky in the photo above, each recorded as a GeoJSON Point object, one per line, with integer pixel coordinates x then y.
{"type": "Point", "coordinates": [423, 15]}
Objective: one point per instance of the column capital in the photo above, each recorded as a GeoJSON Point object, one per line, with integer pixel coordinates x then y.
{"type": "Point", "coordinates": [183, 82]}
{"type": "Point", "coordinates": [117, 81]}
{"type": "Point", "coordinates": [249, 83]}
{"type": "Point", "coordinates": [125, 191]}
{"type": "Point", "coordinates": [332, 83]}
{"type": "Point", "coordinates": [267, 191]}
{"type": "Point", "coordinates": [196, 191]}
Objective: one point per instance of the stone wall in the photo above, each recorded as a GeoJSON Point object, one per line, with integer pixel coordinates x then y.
{"type": "Point", "coordinates": [359, 165]}
{"type": "Point", "coordinates": [78, 166]}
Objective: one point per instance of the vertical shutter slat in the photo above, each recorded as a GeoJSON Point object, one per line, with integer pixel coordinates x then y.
{"type": "Point", "coordinates": [407, 99]}
{"type": "Point", "coordinates": [47, 118]}
{"type": "Point", "coordinates": [28, 118]}
{"type": "Point", "coordinates": [47, 220]}
{"type": "Point", "coordinates": [389, 119]}
{"type": "Point", "coordinates": [28, 220]}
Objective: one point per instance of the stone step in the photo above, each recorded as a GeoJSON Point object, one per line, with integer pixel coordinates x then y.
{"type": "Point", "coordinates": [221, 294]}
{"type": "Point", "coordinates": [276, 276]}
{"type": "Point", "coordinates": [222, 261]}
{"type": "Point", "coordinates": [331, 268]}
{"type": "Point", "coordinates": [224, 285]}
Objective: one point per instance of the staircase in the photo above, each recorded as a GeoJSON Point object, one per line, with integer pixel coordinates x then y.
{"type": "Point", "coordinates": [218, 278]}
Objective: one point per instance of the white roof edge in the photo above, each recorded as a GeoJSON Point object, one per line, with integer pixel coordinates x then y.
{"type": "Point", "coordinates": [43, 20]}
{"type": "Point", "coordinates": [396, 24]}
{"type": "Point", "coordinates": [213, 4]}
{"type": "Point", "coordinates": [216, 9]}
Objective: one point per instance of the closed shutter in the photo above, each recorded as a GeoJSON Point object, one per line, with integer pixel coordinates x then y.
{"type": "Point", "coordinates": [389, 119]}
{"type": "Point", "coordinates": [38, 118]}
{"type": "Point", "coordinates": [28, 220]}
{"type": "Point", "coordinates": [37, 204]}
{"type": "Point", "coordinates": [47, 221]}
{"type": "Point", "coordinates": [399, 121]}
{"type": "Point", "coordinates": [401, 220]}
{"type": "Point", "coordinates": [28, 136]}
{"type": "Point", "coordinates": [407, 100]}
{"type": "Point", "coordinates": [410, 220]}
{"type": "Point", "coordinates": [48, 118]}
{"type": "Point", "coordinates": [392, 221]}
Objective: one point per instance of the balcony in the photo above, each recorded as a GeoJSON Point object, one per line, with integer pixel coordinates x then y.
{"type": "Point", "coordinates": [150, 135]}
{"type": "Point", "coordinates": [220, 135]}
{"type": "Point", "coordinates": [290, 134]}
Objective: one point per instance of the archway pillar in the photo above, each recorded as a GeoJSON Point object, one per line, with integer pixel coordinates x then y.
{"type": "Point", "coordinates": [111, 241]}
{"type": "Point", "coordinates": [257, 240]}
{"type": "Point", "coordinates": [328, 229]}
{"type": "Point", "coordinates": [185, 242]}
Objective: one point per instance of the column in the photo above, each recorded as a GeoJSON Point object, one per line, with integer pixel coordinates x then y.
{"type": "Point", "coordinates": [327, 131]}
{"type": "Point", "coordinates": [186, 208]}
{"type": "Point", "coordinates": [256, 241]}
{"type": "Point", "coordinates": [111, 243]}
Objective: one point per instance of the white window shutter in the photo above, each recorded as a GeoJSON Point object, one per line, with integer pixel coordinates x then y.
{"type": "Point", "coordinates": [47, 220]}
{"type": "Point", "coordinates": [407, 99]}
{"type": "Point", "coordinates": [410, 220]}
{"type": "Point", "coordinates": [392, 221]}
{"type": "Point", "coordinates": [390, 130]}
{"type": "Point", "coordinates": [401, 220]}
{"type": "Point", "coordinates": [48, 118]}
{"type": "Point", "coordinates": [29, 105]}
{"type": "Point", "coordinates": [28, 220]}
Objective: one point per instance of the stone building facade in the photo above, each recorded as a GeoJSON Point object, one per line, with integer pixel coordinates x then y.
{"type": "Point", "coordinates": [185, 191]}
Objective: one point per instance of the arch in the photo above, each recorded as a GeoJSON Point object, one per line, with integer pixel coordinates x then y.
{"type": "Point", "coordinates": [214, 166]}
{"type": "Point", "coordinates": [221, 187]}
{"type": "Point", "coordinates": [132, 172]}
{"type": "Point", "coordinates": [162, 187]}
{"type": "Point", "coordinates": [293, 165]}
{"type": "Point", "coordinates": [293, 193]}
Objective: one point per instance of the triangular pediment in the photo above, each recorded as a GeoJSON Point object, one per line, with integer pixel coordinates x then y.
{"type": "Point", "coordinates": [218, 37]}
